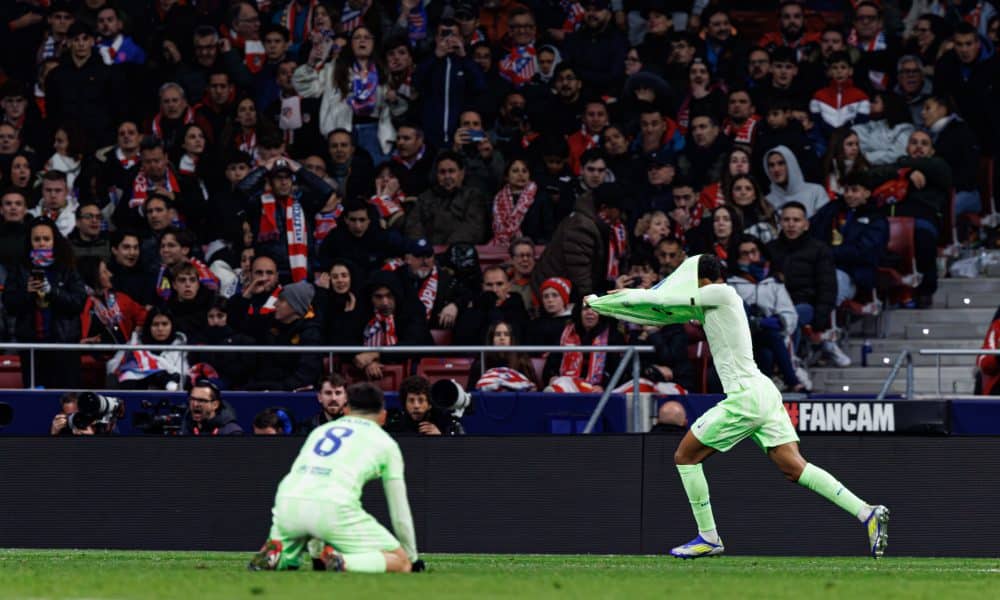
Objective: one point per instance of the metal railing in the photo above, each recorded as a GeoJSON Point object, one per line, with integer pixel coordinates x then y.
{"type": "Point", "coordinates": [906, 356]}
{"type": "Point", "coordinates": [631, 356]}
{"type": "Point", "coordinates": [937, 353]}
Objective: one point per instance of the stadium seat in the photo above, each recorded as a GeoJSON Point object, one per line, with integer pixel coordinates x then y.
{"type": "Point", "coordinates": [442, 337]}
{"type": "Point", "coordinates": [435, 369]}
{"type": "Point", "coordinates": [889, 281]}
{"type": "Point", "coordinates": [392, 376]}
{"type": "Point", "coordinates": [93, 372]}
{"type": "Point", "coordinates": [490, 255]}
{"type": "Point", "coordinates": [10, 372]}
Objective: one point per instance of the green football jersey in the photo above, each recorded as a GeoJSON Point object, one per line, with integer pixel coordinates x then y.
{"type": "Point", "coordinates": [339, 458]}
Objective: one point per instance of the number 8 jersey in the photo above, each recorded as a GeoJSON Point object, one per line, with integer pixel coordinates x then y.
{"type": "Point", "coordinates": [339, 458]}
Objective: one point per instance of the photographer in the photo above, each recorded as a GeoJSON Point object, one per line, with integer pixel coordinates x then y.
{"type": "Point", "coordinates": [208, 414]}
{"type": "Point", "coordinates": [87, 414]}
{"type": "Point", "coordinates": [418, 417]}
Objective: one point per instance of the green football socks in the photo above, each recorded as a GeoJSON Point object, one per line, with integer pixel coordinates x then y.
{"type": "Point", "coordinates": [826, 485]}
{"type": "Point", "coordinates": [365, 562]}
{"type": "Point", "coordinates": [696, 488]}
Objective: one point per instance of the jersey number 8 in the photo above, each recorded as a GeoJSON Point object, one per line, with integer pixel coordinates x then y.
{"type": "Point", "coordinates": [331, 440]}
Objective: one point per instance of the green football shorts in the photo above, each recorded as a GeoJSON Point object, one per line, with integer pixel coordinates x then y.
{"type": "Point", "coordinates": [349, 529]}
{"type": "Point", "coordinates": [756, 412]}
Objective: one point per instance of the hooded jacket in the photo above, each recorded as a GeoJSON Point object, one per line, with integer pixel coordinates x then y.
{"type": "Point", "coordinates": [223, 423]}
{"type": "Point", "coordinates": [811, 195]}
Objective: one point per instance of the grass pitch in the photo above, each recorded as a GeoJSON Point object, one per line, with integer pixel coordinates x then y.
{"type": "Point", "coordinates": [200, 575]}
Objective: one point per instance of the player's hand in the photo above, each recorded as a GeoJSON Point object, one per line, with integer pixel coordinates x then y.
{"type": "Point", "coordinates": [428, 428]}
{"type": "Point", "coordinates": [418, 566]}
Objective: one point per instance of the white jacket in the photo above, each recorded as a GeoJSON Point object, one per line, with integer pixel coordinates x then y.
{"type": "Point", "coordinates": [880, 144]}
{"type": "Point", "coordinates": [334, 111]}
{"type": "Point", "coordinates": [772, 298]}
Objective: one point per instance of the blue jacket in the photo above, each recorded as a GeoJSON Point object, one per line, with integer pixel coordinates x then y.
{"type": "Point", "coordinates": [447, 86]}
{"type": "Point", "coordinates": [865, 234]}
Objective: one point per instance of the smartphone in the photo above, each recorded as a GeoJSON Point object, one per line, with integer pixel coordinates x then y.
{"type": "Point", "coordinates": [37, 274]}
{"type": "Point", "coordinates": [476, 135]}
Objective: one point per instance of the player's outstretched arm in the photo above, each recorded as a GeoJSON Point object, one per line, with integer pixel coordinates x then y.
{"type": "Point", "coordinates": [399, 513]}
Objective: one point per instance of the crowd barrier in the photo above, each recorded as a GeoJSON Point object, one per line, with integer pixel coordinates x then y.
{"type": "Point", "coordinates": [602, 494]}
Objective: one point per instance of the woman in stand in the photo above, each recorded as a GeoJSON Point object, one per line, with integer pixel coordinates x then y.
{"type": "Point", "coordinates": [152, 369]}
{"type": "Point", "coordinates": [109, 316]}
{"type": "Point", "coordinates": [502, 372]}
{"type": "Point", "coordinates": [758, 216]}
{"type": "Point", "coordinates": [521, 208]}
{"type": "Point", "coordinates": [336, 304]}
{"type": "Point", "coordinates": [583, 371]}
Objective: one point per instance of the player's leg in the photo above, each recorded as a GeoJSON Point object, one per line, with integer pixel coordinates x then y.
{"type": "Point", "coordinates": [357, 542]}
{"type": "Point", "coordinates": [795, 468]}
{"type": "Point", "coordinates": [286, 541]}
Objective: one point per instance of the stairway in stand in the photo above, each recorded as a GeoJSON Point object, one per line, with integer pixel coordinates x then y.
{"type": "Point", "coordinates": [962, 311]}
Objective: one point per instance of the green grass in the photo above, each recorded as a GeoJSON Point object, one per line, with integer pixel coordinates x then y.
{"type": "Point", "coordinates": [198, 575]}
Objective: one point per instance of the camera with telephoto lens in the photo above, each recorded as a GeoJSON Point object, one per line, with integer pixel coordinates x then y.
{"type": "Point", "coordinates": [96, 411]}
{"type": "Point", "coordinates": [161, 418]}
{"type": "Point", "coordinates": [450, 397]}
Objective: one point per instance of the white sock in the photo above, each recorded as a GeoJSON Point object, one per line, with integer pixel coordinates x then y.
{"type": "Point", "coordinates": [865, 512]}
{"type": "Point", "coordinates": [711, 536]}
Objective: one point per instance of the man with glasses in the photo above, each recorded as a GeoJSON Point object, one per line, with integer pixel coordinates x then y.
{"type": "Point", "coordinates": [522, 264]}
{"type": "Point", "coordinates": [244, 35]}
{"type": "Point", "coordinates": [879, 49]}
{"type": "Point", "coordinates": [87, 238]}
{"type": "Point", "coordinates": [911, 85]}
{"type": "Point", "coordinates": [212, 54]}
{"type": "Point", "coordinates": [208, 414]}
{"type": "Point", "coordinates": [521, 63]}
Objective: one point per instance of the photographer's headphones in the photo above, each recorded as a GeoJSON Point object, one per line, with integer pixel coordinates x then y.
{"type": "Point", "coordinates": [285, 420]}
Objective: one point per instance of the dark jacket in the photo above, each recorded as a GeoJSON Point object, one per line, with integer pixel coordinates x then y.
{"type": "Point", "coordinates": [366, 252]}
{"type": "Point", "coordinates": [598, 57]}
{"type": "Point", "coordinates": [312, 193]}
{"type": "Point", "coordinates": [448, 217]}
{"type": "Point", "coordinates": [864, 233]}
{"type": "Point", "coordinates": [91, 95]}
{"type": "Point", "coordinates": [100, 247]}
{"type": "Point", "coordinates": [447, 86]}
{"type": "Point", "coordinates": [399, 422]}
{"type": "Point", "coordinates": [66, 300]}
{"type": "Point", "coordinates": [974, 88]}
{"type": "Point", "coordinates": [578, 251]}
{"type": "Point", "coordinates": [289, 371]}
{"type": "Point", "coordinates": [13, 239]}
{"type": "Point", "coordinates": [956, 143]}
{"type": "Point", "coordinates": [223, 423]}
{"type": "Point", "coordinates": [137, 282]}
{"type": "Point", "coordinates": [929, 203]}
{"type": "Point", "coordinates": [805, 265]}
{"type": "Point", "coordinates": [341, 327]}
{"type": "Point", "coordinates": [705, 164]}
{"type": "Point", "coordinates": [473, 321]}
{"type": "Point", "coordinates": [447, 291]}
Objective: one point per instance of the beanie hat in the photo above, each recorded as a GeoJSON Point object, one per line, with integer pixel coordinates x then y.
{"type": "Point", "coordinates": [299, 296]}
{"type": "Point", "coordinates": [561, 285]}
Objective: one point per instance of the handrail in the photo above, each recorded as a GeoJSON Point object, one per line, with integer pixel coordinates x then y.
{"type": "Point", "coordinates": [319, 349]}
{"type": "Point", "coordinates": [904, 355]}
{"type": "Point", "coordinates": [612, 384]}
{"type": "Point", "coordinates": [937, 353]}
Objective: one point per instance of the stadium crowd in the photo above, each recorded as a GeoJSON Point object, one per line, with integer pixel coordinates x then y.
{"type": "Point", "coordinates": [305, 172]}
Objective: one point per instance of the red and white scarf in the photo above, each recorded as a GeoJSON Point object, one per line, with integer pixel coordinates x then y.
{"type": "Point", "coordinates": [109, 52]}
{"type": "Point", "coordinates": [879, 79]}
{"type": "Point", "coordinates": [188, 165]}
{"type": "Point", "coordinates": [127, 162]}
{"type": "Point", "coordinates": [350, 18]}
{"type": "Point", "coordinates": [140, 188]}
{"type": "Point", "coordinates": [741, 134]}
{"type": "Point", "coordinates": [387, 205]}
{"type": "Point", "coordinates": [296, 234]}
{"type": "Point", "coordinates": [380, 331]}
{"type": "Point", "coordinates": [247, 142]}
{"type": "Point", "coordinates": [325, 222]}
{"type": "Point", "coordinates": [519, 66]}
{"type": "Point", "coordinates": [290, 16]}
{"type": "Point", "coordinates": [158, 121]}
{"type": "Point", "coordinates": [572, 362]}
{"type": "Point", "coordinates": [617, 245]}
{"type": "Point", "coordinates": [268, 306]}
{"type": "Point", "coordinates": [428, 291]}
{"type": "Point", "coordinates": [500, 379]}
{"type": "Point", "coordinates": [508, 214]}
{"type": "Point", "coordinates": [253, 52]}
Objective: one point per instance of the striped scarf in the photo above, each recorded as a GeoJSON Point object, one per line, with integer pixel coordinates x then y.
{"type": "Point", "coordinates": [140, 188]}
{"type": "Point", "coordinates": [572, 362]}
{"type": "Point", "coordinates": [325, 222]}
{"type": "Point", "coordinates": [187, 119]}
{"type": "Point", "coordinates": [380, 331]}
{"type": "Point", "coordinates": [364, 89]}
{"type": "Point", "coordinates": [350, 18]}
{"type": "Point", "coordinates": [268, 306]}
{"type": "Point", "coordinates": [504, 379]}
{"type": "Point", "coordinates": [617, 245]}
{"type": "Point", "coordinates": [387, 205]}
{"type": "Point", "coordinates": [296, 233]}
{"type": "Point", "coordinates": [508, 214]}
{"type": "Point", "coordinates": [519, 66]}
{"type": "Point", "coordinates": [290, 16]}
{"type": "Point", "coordinates": [428, 291]}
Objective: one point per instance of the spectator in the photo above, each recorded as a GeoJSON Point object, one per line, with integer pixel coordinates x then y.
{"type": "Point", "coordinates": [883, 139]}
{"type": "Point", "coordinates": [772, 316]}
{"type": "Point", "coordinates": [13, 228]}
{"type": "Point", "coordinates": [347, 164]}
{"type": "Point", "coordinates": [449, 212]}
{"type": "Point", "coordinates": [879, 48]}
{"type": "Point", "coordinates": [787, 183]}
{"type": "Point", "coordinates": [725, 52]}
{"type": "Point", "coordinates": [521, 63]}
{"type": "Point", "coordinates": [45, 294]}
{"type": "Point", "coordinates": [614, 141]}
{"type": "Point", "coordinates": [411, 152]}
{"type": "Point", "coordinates": [578, 249]}
{"type": "Point", "coordinates": [353, 90]}
{"type": "Point", "coordinates": [295, 324]}
{"type": "Point", "coordinates": [522, 261]}
{"type": "Point", "coordinates": [595, 119]}
{"type": "Point", "coordinates": [928, 38]}
{"type": "Point", "coordinates": [740, 124]}
{"type": "Point", "coordinates": [399, 59]}
{"type": "Point", "coordinates": [109, 316]}
{"type": "Point", "coordinates": [117, 165]}
{"type": "Point", "coordinates": [843, 158]}
{"type": "Point", "coordinates": [331, 393]}
{"type": "Point", "coordinates": [190, 301]}
{"type": "Point", "coordinates": [703, 96]}
{"type": "Point", "coordinates": [912, 85]}
{"type": "Point", "coordinates": [208, 414]}
{"type": "Point", "coordinates": [756, 213]}
{"type": "Point", "coordinates": [670, 254]}
{"type": "Point", "coordinates": [68, 156]}
{"type": "Point", "coordinates": [57, 204]}
{"type": "Point", "coordinates": [418, 417]}
{"type": "Point", "coordinates": [670, 418]}
{"type": "Point", "coordinates": [114, 46]}
{"type": "Point", "coordinates": [657, 133]}
{"type": "Point", "coordinates": [686, 223]}
{"type": "Point", "coordinates": [598, 48]}
{"type": "Point", "coordinates": [520, 207]}
{"type": "Point", "coordinates": [502, 372]}
{"type": "Point", "coordinates": [841, 102]}
{"type": "Point", "coordinates": [724, 240]}
{"type": "Point", "coordinates": [129, 275]}
{"type": "Point", "coordinates": [782, 129]}
{"type": "Point", "coordinates": [791, 31]}
{"type": "Point", "coordinates": [337, 304]}
{"type": "Point", "coordinates": [493, 303]}
{"type": "Point", "coordinates": [652, 228]}
{"type": "Point", "coordinates": [858, 233]}
{"type": "Point", "coordinates": [175, 112]}
{"type": "Point", "coordinates": [955, 142]}
{"type": "Point", "coordinates": [394, 321]}
{"type": "Point", "coordinates": [19, 172]}
{"type": "Point", "coordinates": [496, 87]}
{"type": "Point", "coordinates": [155, 176]}
{"type": "Point", "coordinates": [212, 54]}
{"type": "Point", "coordinates": [557, 309]}
{"type": "Point", "coordinates": [433, 288]}
{"type": "Point", "coordinates": [484, 163]}
{"type": "Point", "coordinates": [151, 369]}
{"type": "Point", "coordinates": [273, 421]}
{"type": "Point", "coordinates": [358, 238]}
{"type": "Point", "coordinates": [805, 265]}
{"type": "Point", "coordinates": [176, 246]}
{"type": "Point", "coordinates": [87, 238]}
{"type": "Point", "coordinates": [583, 371]}
{"type": "Point", "coordinates": [562, 112]}
{"type": "Point", "coordinates": [967, 72]}
{"type": "Point", "coordinates": [656, 43]}
{"type": "Point", "coordinates": [448, 81]}
{"type": "Point", "coordinates": [705, 151]}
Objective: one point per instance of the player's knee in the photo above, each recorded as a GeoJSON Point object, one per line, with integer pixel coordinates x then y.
{"type": "Point", "coordinates": [683, 458]}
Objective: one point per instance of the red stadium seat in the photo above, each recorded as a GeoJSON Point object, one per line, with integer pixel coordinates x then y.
{"type": "Point", "coordinates": [490, 255]}
{"type": "Point", "coordinates": [93, 374]}
{"type": "Point", "coordinates": [10, 372]}
{"type": "Point", "coordinates": [392, 376]}
{"type": "Point", "coordinates": [442, 337]}
{"type": "Point", "coordinates": [435, 369]}
{"type": "Point", "coordinates": [901, 243]}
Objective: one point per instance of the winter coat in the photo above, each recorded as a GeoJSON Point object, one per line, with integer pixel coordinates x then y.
{"type": "Point", "coordinates": [447, 86]}
{"type": "Point", "coordinates": [223, 423]}
{"type": "Point", "coordinates": [367, 252]}
{"type": "Point", "coordinates": [796, 188]}
{"type": "Point", "coordinates": [473, 321]}
{"type": "Point", "coordinates": [334, 110]}
{"type": "Point", "coordinates": [881, 144]}
{"type": "Point", "coordinates": [805, 265]}
{"type": "Point", "coordinates": [974, 89]}
{"type": "Point", "coordinates": [13, 239]}
{"type": "Point", "coordinates": [598, 57]}
{"type": "Point", "coordinates": [65, 303]}
{"type": "Point", "coordinates": [955, 142]}
{"type": "Point", "coordinates": [769, 296]}
{"type": "Point", "coordinates": [289, 371]}
{"type": "Point", "coordinates": [93, 95]}
{"type": "Point", "coordinates": [928, 203]}
{"type": "Point", "coordinates": [448, 217]}
{"type": "Point", "coordinates": [864, 235]}
{"type": "Point", "coordinates": [577, 251]}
